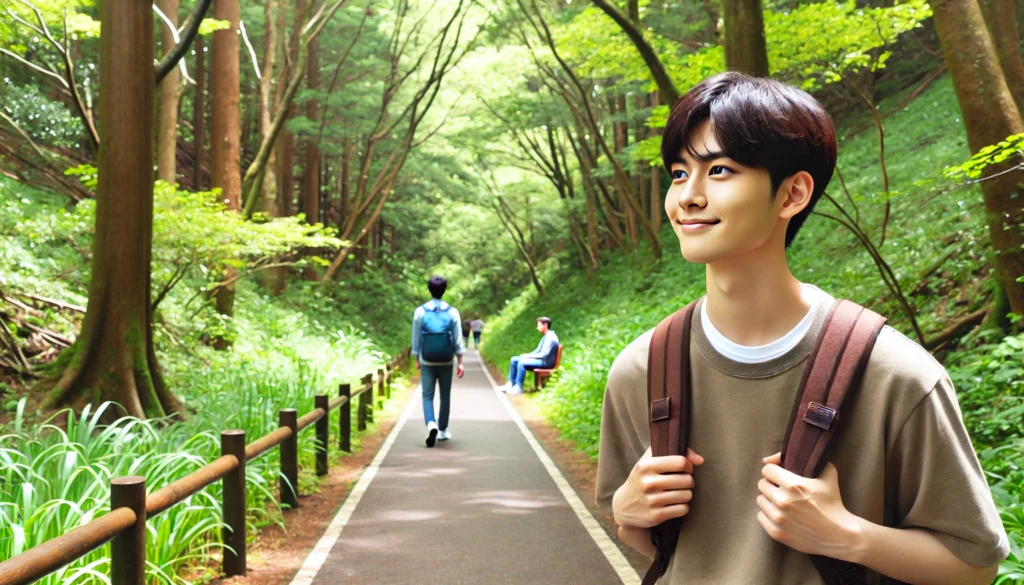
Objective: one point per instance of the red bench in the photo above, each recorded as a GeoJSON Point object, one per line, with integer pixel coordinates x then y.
{"type": "Point", "coordinates": [541, 375]}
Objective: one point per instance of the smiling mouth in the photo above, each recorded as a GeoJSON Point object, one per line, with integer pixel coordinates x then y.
{"type": "Point", "coordinates": [695, 224]}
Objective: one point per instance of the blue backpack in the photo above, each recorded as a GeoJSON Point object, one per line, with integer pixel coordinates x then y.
{"type": "Point", "coordinates": [437, 343]}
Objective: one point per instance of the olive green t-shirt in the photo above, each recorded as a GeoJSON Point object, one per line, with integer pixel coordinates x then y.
{"type": "Point", "coordinates": [904, 457]}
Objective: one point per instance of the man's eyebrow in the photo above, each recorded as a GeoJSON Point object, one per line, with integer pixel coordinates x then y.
{"type": "Point", "coordinates": [700, 157]}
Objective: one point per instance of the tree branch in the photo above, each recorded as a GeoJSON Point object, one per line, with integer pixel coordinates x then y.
{"type": "Point", "coordinates": [190, 30]}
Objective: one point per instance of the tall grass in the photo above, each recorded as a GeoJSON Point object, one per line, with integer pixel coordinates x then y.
{"type": "Point", "coordinates": [55, 476]}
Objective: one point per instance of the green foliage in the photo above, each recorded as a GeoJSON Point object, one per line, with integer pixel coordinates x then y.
{"type": "Point", "coordinates": [817, 44]}
{"type": "Point", "coordinates": [40, 117]}
{"type": "Point", "coordinates": [286, 350]}
{"type": "Point", "coordinates": [990, 155]}
{"type": "Point", "coordinates": [53, 479]}
{"type": "Point", "coordinates": [212, 25]}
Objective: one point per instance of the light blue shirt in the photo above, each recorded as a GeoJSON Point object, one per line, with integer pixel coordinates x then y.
{"type": "Point", "coordinates": [546, 348]}
{"type": "Point", "coordinates": [417, 325]}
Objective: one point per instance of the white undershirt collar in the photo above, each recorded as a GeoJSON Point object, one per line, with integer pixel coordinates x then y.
{"type": "Point", "coordinates": [762, 353]}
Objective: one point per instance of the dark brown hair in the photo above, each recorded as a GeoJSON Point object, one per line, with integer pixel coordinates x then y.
{"type": "Point", "coordinates": [545, 321]}
{"type": "Point", "coordinates": [760, 123]}
{"type": "Point", "coordinates": [437, 285]}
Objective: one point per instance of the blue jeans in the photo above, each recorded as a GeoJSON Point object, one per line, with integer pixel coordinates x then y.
{"type": "Point", "coordinates": [517, 369]}
{"type": "Point", "coordinates": [431, 376]}
{"type": "Point", "coordinates": [476, 338]}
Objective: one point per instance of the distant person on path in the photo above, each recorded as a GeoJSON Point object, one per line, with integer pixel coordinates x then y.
{"type": "Point", "coordinates": [465, 332]}
{"type": "Point", "coordinates": [542, 357]}
{"type": "Point", "coordinates": [436, 344]}
{"type": "Point", "coordinates": [478, 328]}
{"type": "Point", "coordinates": [900, 498]}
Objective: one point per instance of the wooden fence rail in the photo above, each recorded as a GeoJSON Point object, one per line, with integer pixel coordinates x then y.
{"type": "Point", "coordinates": [125, 525]}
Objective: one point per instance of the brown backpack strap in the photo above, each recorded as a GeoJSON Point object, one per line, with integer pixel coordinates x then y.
{"type": "Point", "coordinates": [668, 394]}
{"type": "Point", "coordinates": [833, 374]}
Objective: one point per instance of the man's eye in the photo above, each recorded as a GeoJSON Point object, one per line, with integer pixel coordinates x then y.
{"type": "Point", "coordinates": [719, 170]}
{"type": "Point", "coordinates": [679, 174]}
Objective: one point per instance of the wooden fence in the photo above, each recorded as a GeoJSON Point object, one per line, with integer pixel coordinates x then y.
{"type": "Point", "coordinates": [125, 525]}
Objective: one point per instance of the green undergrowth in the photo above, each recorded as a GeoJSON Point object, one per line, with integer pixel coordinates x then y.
{"type": "Point", "coordinates": [55, 468]}
{"type": "Point", "coordinates": [931, 225]}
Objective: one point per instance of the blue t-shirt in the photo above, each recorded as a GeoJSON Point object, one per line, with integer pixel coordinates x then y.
{"type": "Point", "coordinates": [547, 349]}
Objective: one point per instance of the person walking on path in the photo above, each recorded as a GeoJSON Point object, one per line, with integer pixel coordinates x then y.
{"type": "Point", "coordinates": [478, 328]}
{"type": "Point", "coordinates": [436, 344]}
{"type": "Point", "coordinates": [542, 357]}
{"type": "Point", "coordinates": [465, 332]}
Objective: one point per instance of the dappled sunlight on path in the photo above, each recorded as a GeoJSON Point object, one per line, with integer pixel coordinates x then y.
{"type": "Point", "coordinates": [480, 508]}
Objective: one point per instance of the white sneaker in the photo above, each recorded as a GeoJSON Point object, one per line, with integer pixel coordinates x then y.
{"type": "Point", "coordinates": [515, 390]}
{"type": "Point", "coordinates": [505, 387]}
{"type": "Point", "coordinates": [444, 435]}
{"type": "Point", "coordinates": [431, 433]}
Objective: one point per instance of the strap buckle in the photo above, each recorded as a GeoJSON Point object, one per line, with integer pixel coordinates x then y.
{"type": "Point", "coordinates": [660, 410]}
{"type": "Point", "coordinates": [820, 416]}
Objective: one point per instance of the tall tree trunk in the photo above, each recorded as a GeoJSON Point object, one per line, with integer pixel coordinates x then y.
{"type": "Point", "coordinates": [346, 161]}
{"type": "Point", "coordinates": [199, 116]}
{"type": "Point", "coordinates": [167, 129]}
{"type": "Point", "coordinates": [268, 105]}
{"type": "Point", "coordinates": [274, 22]}
{"type": "Point", "coordinates": [311, 176]}
{"type": "Point", "coordinates": [593, 246]}
{"type": "Point", "coordinates": [285, 173]}
{"type": "Point", "coordinates": [113, 355]}
{"type": "Point", "coordinates": [640, 133]}
{"type": "Point", "coordinates": [226, 133]}
{"type": "Point", "coordinates": [990, 115]}
{"type": "Point", "coordinates": [1002, 27]}
{"type": "Point", "coordinates": [226, 137]}
{"type": "Point", "coordinates": [656, 171]}
{"type": "Point", "coordinates": [744, 37]}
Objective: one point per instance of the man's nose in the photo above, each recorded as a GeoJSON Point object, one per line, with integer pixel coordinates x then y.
{"type": "Point", "coordinates": [692, 194]}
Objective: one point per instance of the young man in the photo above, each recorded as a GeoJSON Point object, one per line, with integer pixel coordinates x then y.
{"type": "Point", "coordinates": [903, 493]}
{"type": "Point", "coordinates": [478, 328]}
{"type": "Point", "coordinates": [542, 357]}
{"type": "Point", "coordinates": [436, 344]}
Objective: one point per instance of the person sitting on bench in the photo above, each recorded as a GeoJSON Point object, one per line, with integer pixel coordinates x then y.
{"type": "Point", "coordinates": [542, 357]}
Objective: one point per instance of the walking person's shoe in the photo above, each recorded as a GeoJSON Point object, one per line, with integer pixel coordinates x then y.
{"type": "Point", "coordinates": [444, 435]}
{"type": "Point", "coordinates": [431, 433]}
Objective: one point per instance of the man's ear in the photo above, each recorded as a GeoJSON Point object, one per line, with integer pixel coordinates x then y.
{"type": "Point", "coordinates": [795, 194]}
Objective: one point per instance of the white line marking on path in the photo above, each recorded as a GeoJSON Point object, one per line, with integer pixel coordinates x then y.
{"type": "Point", "coordinates": [318, 556]}
{"type": "Point", "coordinates": [626, 573]}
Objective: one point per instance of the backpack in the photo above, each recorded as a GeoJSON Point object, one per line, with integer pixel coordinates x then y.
{"type": "Point", "coordinates": [436, 341]}
{"type": "Point", "coordinates": [834, 369]}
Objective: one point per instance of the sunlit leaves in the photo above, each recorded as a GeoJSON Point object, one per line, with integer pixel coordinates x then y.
{"type": "Point", "coordinates": [818, 43]}
{"type": "Point", "coordinates": [993, 154]}
{"type": "Point", "coordinates": [212, 25]}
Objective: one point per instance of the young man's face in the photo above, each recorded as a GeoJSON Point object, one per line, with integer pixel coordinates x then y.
{"type": "Point", "coordinates": [720, 209]}
{"type": "Point", "coordinates": [542, 327]}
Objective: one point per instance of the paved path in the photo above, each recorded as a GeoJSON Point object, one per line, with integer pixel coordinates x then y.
{"type": "Point", "coordinates": [485, 508]}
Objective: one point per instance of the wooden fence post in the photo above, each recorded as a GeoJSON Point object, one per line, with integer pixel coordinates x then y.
{"type": "Point", "coordinates": [389, 372]}
{"type": "Point", "coordinates": [128, 549]}
{"type": "Point", "coordinates": [345, 419]}
{"type": "Point", "coordinates": [368, 384]}
{"type": "Point", "coordinates": [361, 422]}
{"type": "Point", "coordinates": [322, 433]}
{"type": "Point", "coordinates": [289, 482]}
{"type": "Point", "coordinates": [381, 382]}
{"type": "Point", "coordinates": [233, 533]}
